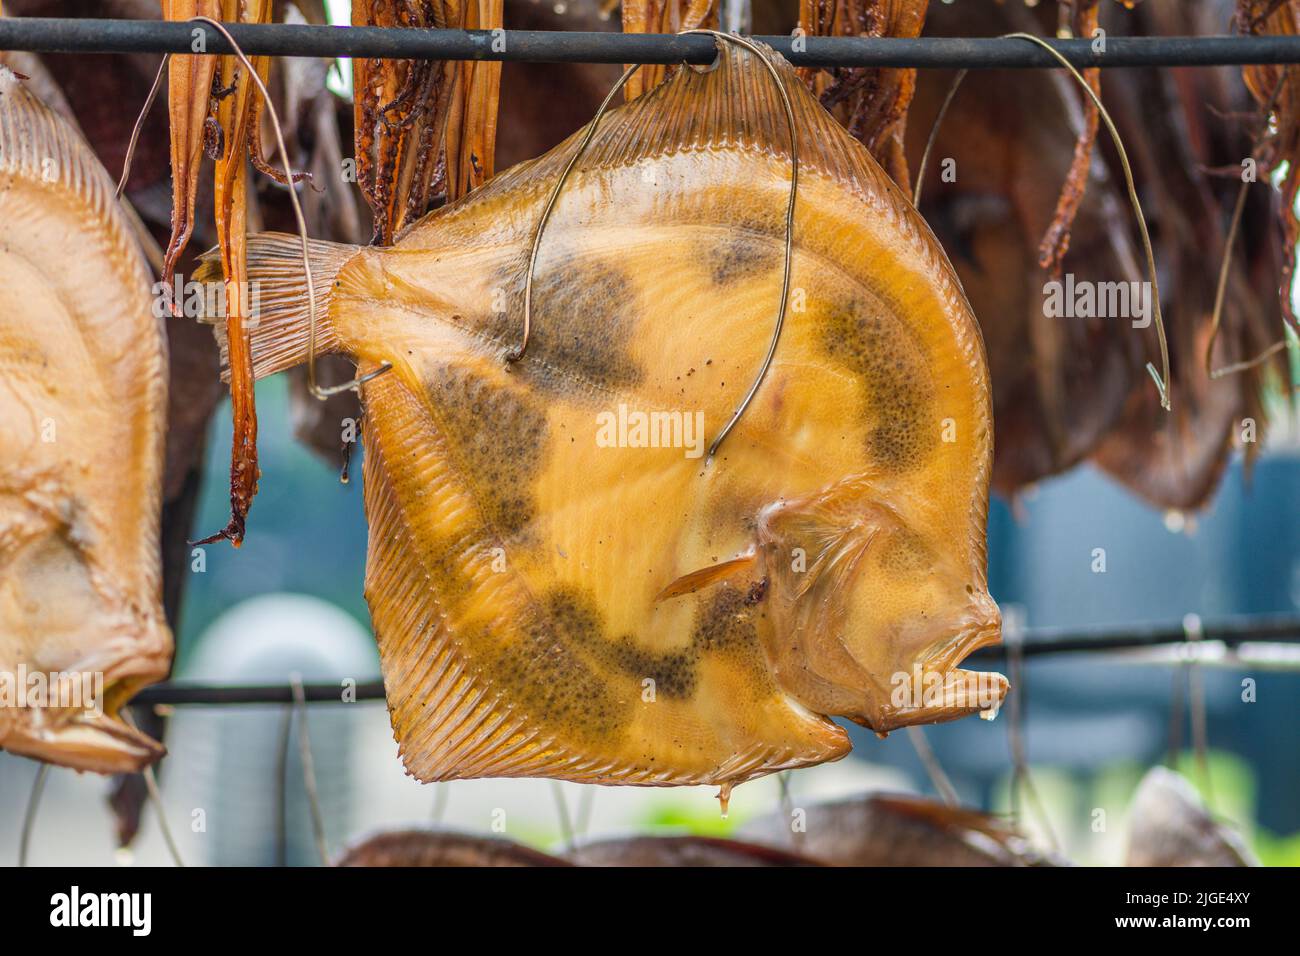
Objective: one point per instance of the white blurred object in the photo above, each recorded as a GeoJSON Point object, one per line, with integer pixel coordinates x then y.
{"type": "Point", "coordinates": [234, 791]}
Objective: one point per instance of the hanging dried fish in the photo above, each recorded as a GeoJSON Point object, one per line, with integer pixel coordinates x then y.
{"type": "Point", "coordinates": [1078, 19]}
{"type": "Point", "coordinates": [1079, 391]}
{"type": "Point", "coordinates": [83, 407]}
{"type": "Point", "coordinates": [189, 83]}
{"type": "Point", "coordinates": [1170, 826]}
{"type": "Point", "coordinates": [556, 595]}
{"type": "Point", "coordinates": [1186, 127]}
{"type": "Point", "coordinates": [425, 130]}
{"type": "Point", "coordinates": [870, 102]}
{"type": "Point", "coordinates": [683, 851]}
{"type": "Point", "coordinates": [1060, 378]}
{"type": "Point", "coordinates": [234, 122]}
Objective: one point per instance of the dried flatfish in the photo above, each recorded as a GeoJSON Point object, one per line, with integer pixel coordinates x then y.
{"type": "Point", "coordinates": [529, 538]}
{"type": "Point", "coordinates": [83, 405]}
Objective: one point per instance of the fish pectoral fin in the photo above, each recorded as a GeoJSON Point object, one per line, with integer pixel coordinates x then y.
{"type": "Point", "coordinates": [707, 576]}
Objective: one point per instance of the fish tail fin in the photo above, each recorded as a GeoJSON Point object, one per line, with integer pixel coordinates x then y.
{"type": "Point", "coordinates": [279, 321]}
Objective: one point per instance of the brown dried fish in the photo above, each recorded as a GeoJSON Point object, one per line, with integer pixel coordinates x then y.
{"type": "Point", "coordinates": [896, 830]}
{"type": "Point", "coordinates": [397, 848]}
{"type": "Point", "coordinates": [1169, 826]}
{"type": "Point", "coordinates": [870, 102]}
{"type": "Point", "coordinates": [83, 405]}
{"type": "Point", "coordinates": [552, 600]}
{"type": "Point", "coordinates": [683, 851]}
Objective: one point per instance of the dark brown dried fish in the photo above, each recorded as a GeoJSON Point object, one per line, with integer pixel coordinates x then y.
{"type": "Point", "coordinates": [442, 848]}
{"type": "Point", "coordinates": [896, 830]}
{"type": "Point", "coordinates": [683, 851]}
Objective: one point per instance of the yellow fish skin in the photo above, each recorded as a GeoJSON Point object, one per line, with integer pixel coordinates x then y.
{"type": "Point", "coordinates": [83, 403]}
{"type": "Point", "coordinates": [554, 592]}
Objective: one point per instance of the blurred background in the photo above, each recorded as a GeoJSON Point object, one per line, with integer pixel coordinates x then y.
{"type": "Point", "coordinates": [291, 600]}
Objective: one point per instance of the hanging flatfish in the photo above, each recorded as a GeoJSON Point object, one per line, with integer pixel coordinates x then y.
{"type": "Point", "coordinates": [83, 402]}
{"type": "Point", "coordinates": [562, 580]}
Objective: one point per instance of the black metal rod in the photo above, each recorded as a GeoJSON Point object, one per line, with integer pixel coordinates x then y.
{"type": "Point", "coordinates": [1040, 642]}
{"type": "Point", "coordinates": [50, 35]}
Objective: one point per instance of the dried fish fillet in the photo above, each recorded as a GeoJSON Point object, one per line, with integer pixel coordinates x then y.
{"type": "Point", "coordinates": [555, 594]}
{"type": "Point", "coordinates": [83, 403]}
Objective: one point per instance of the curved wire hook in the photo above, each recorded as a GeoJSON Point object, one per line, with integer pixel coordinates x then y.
{"type": "Point", "coordinates": [514, 355]}
{"type": "Point", "coordinates": [316, 390]}
{"type": "Point", "coordinates": [1162, 381]}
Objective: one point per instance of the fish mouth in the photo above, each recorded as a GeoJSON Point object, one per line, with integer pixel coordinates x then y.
{"type": "Point", "coordinates": [87, 740]}
{"type": "Point", "coordinates": [936, 690]}
{"type": "Point", "coordinates": [91, 735]}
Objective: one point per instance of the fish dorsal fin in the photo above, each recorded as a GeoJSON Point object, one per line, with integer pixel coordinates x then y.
{"type": "Point", "coordinates": [36, 144]}
{"type": "Point", "coordinates": [734, 104]}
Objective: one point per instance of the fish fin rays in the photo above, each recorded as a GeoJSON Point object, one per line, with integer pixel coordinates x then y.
{"type": "Point", "coordinates": [447, 721]}
{"type": "Point", "coordinates": [736, 104]}
{"type": "Point", "coordinates": [277, 294]}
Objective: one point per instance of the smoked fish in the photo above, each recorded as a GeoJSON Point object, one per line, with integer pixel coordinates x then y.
{"type": "Point", "coordinates": [420, 847]}
{"type": "Point", "coordinates": [890, 829]}
{"type": "Point", "coordinates": [1169, 825]}
{"type": "Point", "coordinates": [83, 405]}
{"type": "Point", "coordinates": [562, 580]}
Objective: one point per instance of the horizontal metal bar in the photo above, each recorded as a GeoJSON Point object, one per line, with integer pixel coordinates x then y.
{"type": "Point", "coordinates": [1231, 632]}
{"type": "Point", "coordinates": [49, 35]}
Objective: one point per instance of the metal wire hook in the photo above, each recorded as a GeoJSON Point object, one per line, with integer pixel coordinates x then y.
{"type": "Point", "coordinates": [514, 355]}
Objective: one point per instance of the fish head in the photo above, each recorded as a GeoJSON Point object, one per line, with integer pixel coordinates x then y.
{"type": "Point", "coordinates": [80, 641]}
{"type": "Point", "coordinates": [873, 606]}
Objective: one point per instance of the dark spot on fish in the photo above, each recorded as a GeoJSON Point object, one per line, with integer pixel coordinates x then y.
{"type": "Point", "coordinates": [585, 314]}
{"type": "Point", "coordinates": [499, 436]}
{"type": "Point", "coordinates": [891, 369]}
{"type": "Point", "coordinates": [743, 256]}
{"type": "Point", "coordinates": [546, 677]}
